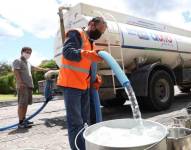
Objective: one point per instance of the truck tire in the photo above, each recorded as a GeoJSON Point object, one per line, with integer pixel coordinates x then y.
{"type": "Point", "coordinates": [184, 89]}
{"type": "Point", "coordinates": [160, 91]}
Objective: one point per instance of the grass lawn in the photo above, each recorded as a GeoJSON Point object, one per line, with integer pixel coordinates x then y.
{"type": "Point", "coordinates": [7, 97]}
{"type": "Point", "coordinates": [10, 97]}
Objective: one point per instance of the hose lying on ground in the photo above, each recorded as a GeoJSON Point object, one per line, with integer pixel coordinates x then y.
{"type": "Point", "coordinates": [48, 96]}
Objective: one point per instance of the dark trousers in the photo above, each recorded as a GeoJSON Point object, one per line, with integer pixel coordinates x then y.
{"type": "Point", "coordinates": [78, 113]}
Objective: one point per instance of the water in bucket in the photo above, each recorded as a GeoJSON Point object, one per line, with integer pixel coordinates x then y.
{"type": "Point", "coordinates": [119, 137]}
{"type": "Point", "coordinates": [126, 134]}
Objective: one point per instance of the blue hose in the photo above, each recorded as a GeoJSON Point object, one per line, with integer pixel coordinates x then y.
{"type": "Point", "coordinates": [115, 67]}
{"type": "Point", "coordinates": [48, 97]}
{"type": "Point", "coordinates": [94, 97]}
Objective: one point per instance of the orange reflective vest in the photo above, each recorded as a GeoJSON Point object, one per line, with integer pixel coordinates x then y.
{"type": "Point", "coordinates": [76, 74]}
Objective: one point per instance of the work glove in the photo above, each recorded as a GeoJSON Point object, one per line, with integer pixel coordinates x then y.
{"type": "Point", "coordinates": [92, 55]}
{"type": "Point", "coordinates": [98, 82]}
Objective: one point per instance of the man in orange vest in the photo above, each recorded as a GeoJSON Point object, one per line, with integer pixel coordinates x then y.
{"type": "Point", "coordinates": [78, 54]}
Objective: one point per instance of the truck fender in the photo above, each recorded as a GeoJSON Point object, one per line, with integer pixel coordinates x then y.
{"type": "Point", "coordinates": [140, 78]}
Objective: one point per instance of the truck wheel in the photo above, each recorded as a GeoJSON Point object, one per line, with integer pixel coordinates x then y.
{"type": "Point", "coordinates": [184, 89]}
{"type": "Point", "coordinates": [161, 90]}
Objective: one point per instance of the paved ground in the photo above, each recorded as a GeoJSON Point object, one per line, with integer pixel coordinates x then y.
{"type": "Point", "coordinates": [49, 131]}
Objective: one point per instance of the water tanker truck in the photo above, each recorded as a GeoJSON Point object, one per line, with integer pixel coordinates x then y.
{"type": "Point", "coordinates": [154, 56]}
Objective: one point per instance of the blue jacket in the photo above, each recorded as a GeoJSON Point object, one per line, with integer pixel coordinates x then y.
{"type": "Point", "coordinates": [72, 46]}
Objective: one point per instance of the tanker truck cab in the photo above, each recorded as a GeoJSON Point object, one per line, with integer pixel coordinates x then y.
{"type": "Point", "coordinates": [154, 56]}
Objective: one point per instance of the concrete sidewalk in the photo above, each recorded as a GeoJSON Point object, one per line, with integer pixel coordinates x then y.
{"type": "Point", "coordinates": [48, 133]}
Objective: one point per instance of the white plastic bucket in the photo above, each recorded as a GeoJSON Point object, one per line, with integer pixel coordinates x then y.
{"type": "Point", "coordinates": [159, 144]}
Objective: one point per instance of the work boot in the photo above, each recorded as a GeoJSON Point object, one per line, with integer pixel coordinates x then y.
{"type": "Point", "coordinates": [23, 125]}
{"type": "Point", "coordinates": [28, 122]}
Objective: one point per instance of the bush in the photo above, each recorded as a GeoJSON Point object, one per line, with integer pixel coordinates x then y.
{"type": "Point", "coordinates": [5, 68]}
{"type": "Point", "coordinates": [38, 75]}
{"type": "Point", "coordinates": [7, 84]}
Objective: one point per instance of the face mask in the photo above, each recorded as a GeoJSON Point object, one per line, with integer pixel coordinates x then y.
{"type": "Point", "coordinates": [96, 34]}
{"type": "Point", "coordinates": [26, 55]}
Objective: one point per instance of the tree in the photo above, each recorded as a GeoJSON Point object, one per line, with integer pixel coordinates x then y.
{"type": "Point", "coordinates": [5, 68]}
{"type": "Point", "coordinates": [48, 64]}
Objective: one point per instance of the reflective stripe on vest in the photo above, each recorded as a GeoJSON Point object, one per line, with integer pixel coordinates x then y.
{"type": "Point", "coordinates": [75, 68]}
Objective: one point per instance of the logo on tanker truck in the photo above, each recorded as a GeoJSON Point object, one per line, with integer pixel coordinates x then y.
{"type": "Point", "coordinates": [143, 36]}
{"type": "Point", "coordinates": [155, 37]}
{"type": "Point", "coordinates": [161, 38]}
{"type": "Point", "coordinates": [152, 36]}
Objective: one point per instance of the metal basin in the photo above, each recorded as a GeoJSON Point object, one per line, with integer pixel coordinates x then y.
{"type": "Point", "coordinates": [159, 144]}
{"type": "Point", "coordinates": [182, 121]}
{"type": "Point", "coordinates": [179, 139]}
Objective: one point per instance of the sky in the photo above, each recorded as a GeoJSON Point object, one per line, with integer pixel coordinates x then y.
{"type": "Point", "coordinates": [34, 23]}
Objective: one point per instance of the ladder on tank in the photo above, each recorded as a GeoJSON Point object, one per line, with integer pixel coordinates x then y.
{"type": "Point", "coordinates": [119, 60]}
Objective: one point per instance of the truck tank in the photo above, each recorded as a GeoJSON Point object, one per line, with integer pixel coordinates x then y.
{"type": "Point", "coordinates": [154, 56]}
{"type": "Point", "coordinates": [131, 40]}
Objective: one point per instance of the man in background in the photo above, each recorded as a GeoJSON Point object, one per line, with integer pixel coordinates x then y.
{"type": "Point", "coordinates": [24, 81]}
